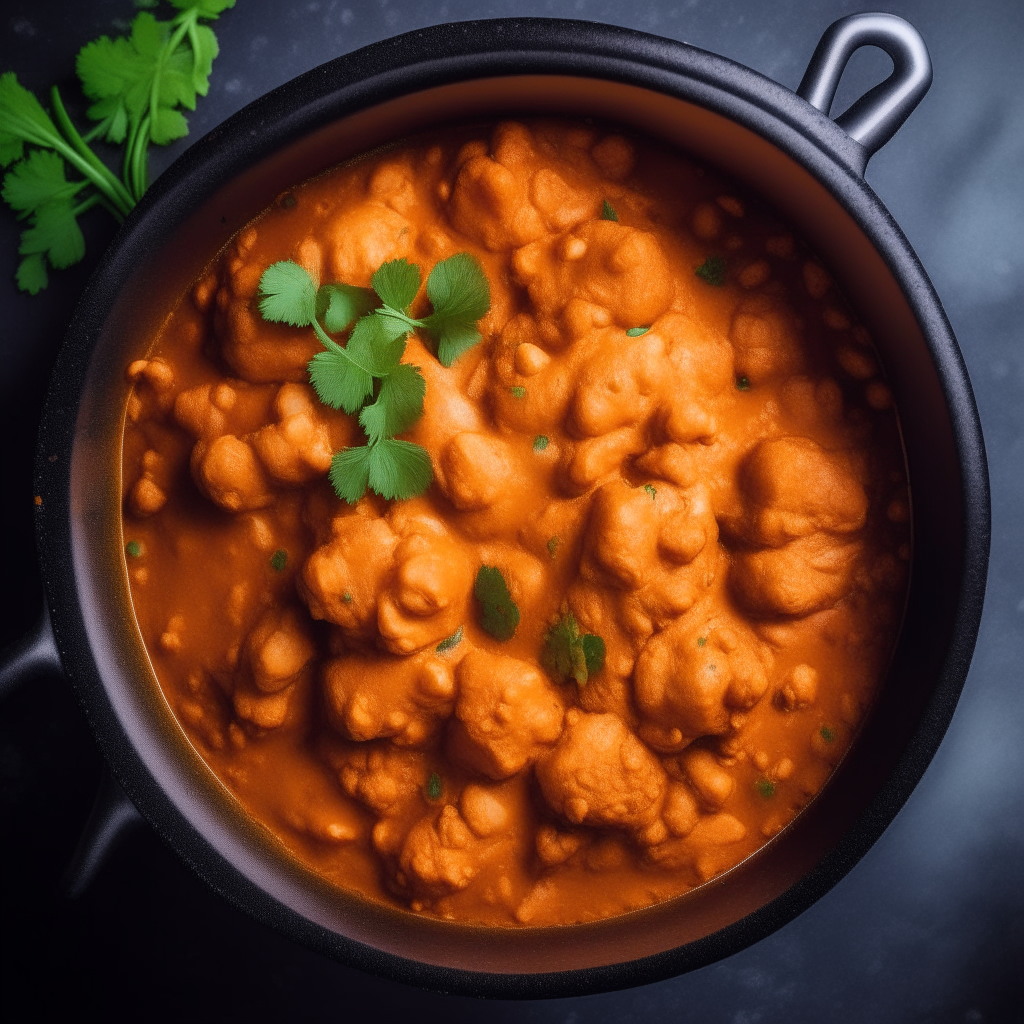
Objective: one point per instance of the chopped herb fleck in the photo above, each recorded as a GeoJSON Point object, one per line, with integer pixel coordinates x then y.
{"type": "Point", "coordinates": [651, 490]}
{"type": "Point", "coordinates": [635, 332]}
{"type": "Point", "coordinates": [743, 383]}
{"type": "Point", "coordinates": [518, 391]}
{"type": "Point", "coordinates": [827, 734]}
{"type": "Point", "coordinates": [133, 549]}
{"type": "Point", "coordinates": [570, 654]}
{"type": "Point", "coordinates": [701, 641]}
{"type": "Point", "coordinates": [449, 642]}
{"type": "Point", "coordinates": [608, 211]}
{"type": "Point", "coordinates": [278, 560]}
{"type": "Point", "coordinates": [434, 787]}
{"type": "Point", "coordinates": [346, 597]}
{"type": "Point", "coordinates": [553, 545]}
{"type": "Point", "coordinates": [765, 787]}
{"type": "Point", "coordinates": [540, 442]}
{"type": "Point", "coordinates": [499, 613]}
{"type": "Point", "coordinates": [712, 270]}
{"type": "Point", "coordinates": [288, 201]}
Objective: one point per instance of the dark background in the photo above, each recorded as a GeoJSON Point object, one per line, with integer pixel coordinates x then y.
{"type": "Point", "coordinates": [928, 927]}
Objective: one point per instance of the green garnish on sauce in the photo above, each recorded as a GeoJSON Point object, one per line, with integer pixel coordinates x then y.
{"type": "Point", "coordinates": [743, 383]}
{"type": "Point", "coordinates": [568, 653]}
{"type": "Point", "coordinates": [765, 787]}
{"type": "Point", "coordinates": [540, 442]}
{"type": "Point", "coordinates": [370, 365]}
{"type": "Point", "coordinates": [553, 543]}
{"type": "Point", "coordinates": [346, 597]}
{"type": "Point", "coordinates": [133, 549]}
{"type": "Point", "coordinates": [278, 560]}
{"type": "Point", "coordinates": [449, 642]}
{"type": "Point", "coordinates": [636, 332]}
{"type": "Point", "coordinates": [651, 490]}
{"type": "Point", "coordinates": [826, 734]}
{"type": "Point", "coordinates": [518, 391]}
{"type": "Point", "coordinates": [608, 211]}
{"type": "Point", "coordinates": [434, 787]}
{"type": "Point", "coordinates": [712, 270]}
{"type": "Point", "coordinates": [701, 641]}
{"type": "Point", "coordinates": [137, 85]}
{"type": "Point", "coordinates": [499, 614]}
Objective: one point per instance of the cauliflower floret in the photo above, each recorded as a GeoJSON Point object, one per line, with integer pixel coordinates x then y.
{"type": "Point", "coordinates": [474, 470]}
{"type": "Point", "coordinates": [806, 575]}
{"type": "Point", "coordinates": [373, 696]}
{"type": "Point", "coordinates": [619, 269]}
{"type": "Point", "coordinates": [690, 677]}
{"type": "Point", "coordinates": [383, 777]}
{"type": "Point", "coordinates": [404, 584]}
{"type": "Point", "coordinates": [360, 239]}
{"type": "Point", "coordinates": [506, 714]}
{"type": "Point", "coordinates": [297, 448]}
{"type": "Point", "coordinates": [600, 774]}
{"type": "Point", "coordinates": [793, 487]}
{"type": "Point", "coordinates": [227, 471]}
{"type": "Point", "coordinates": [767, 340]}
{"type": "Point", "coordinates": [439, 856]}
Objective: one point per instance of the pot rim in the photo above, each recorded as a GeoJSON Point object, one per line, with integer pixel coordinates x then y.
{"type": "Point", "coordinates": [411, 63]}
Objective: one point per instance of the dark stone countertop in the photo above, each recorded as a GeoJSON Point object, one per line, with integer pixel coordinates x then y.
{"type": "Point", "coordinates": [928, 927]}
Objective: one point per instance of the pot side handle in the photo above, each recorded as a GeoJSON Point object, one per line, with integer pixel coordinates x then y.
{"type": "Point", "coordinates": [875, 118]}
{"type": "Point", "coordinates": [33, 654]}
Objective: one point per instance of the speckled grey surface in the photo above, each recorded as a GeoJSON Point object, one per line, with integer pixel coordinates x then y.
{"type": "Point", "coordinates": [930, 925]}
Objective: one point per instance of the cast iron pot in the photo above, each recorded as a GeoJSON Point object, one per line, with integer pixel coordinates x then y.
{"type": "Point", "coordinates": [781, 144]}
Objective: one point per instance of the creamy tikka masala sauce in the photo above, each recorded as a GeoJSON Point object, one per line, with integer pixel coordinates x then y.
{"type": "Point", "coordinates": [720, 498]}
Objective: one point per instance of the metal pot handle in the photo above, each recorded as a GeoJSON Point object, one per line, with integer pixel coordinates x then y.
{"type": "Point", "coordinates": [33, 654]}
{"type": "Point", "coordinates": [875, 118]}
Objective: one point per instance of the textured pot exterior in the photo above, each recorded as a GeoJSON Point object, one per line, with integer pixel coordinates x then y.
{"type": "Point", "coordinates": [76, 428]}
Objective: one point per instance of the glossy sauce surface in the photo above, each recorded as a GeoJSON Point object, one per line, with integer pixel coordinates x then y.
{"type": "Point", "coordinates": [719, 497]}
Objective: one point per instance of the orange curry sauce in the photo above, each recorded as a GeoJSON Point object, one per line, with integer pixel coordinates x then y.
{"type": "Point", "coordinates": [721, 498]}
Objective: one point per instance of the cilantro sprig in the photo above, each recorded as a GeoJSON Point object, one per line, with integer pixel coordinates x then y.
{"type": "Point", "coordinates": [137, 83]}
{"type": "Point", "coordinates": [369, 365]}
{"type": "Point", "coordinates": [499, 614]}
{"type": "Point", "coordinates": [570, 654]}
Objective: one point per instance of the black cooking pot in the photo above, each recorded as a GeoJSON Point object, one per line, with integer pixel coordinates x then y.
{"type": "Point", "coordinates": [781, 144]}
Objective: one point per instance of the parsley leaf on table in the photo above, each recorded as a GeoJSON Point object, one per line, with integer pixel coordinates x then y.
{"type": "Point", "coordinates": [137, 82]}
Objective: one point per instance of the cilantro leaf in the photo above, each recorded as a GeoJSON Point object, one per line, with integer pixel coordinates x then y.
{"type": "Point", "coordinates": [31, 274]}
{"type": "Point", "coordinates": [54, 231]}
{"type": "Point", "coordinates": [499, 615]}
{"type": "Point", "coordinates": [22, 119]}
{"type": "Point", "coordinates": [460, 296]}
{"type": "Point", "coordinates": [204, 8]}
{"type": "Point", "coordinates": [712, 270]}
{"type": "Point", "coordinates": [37, 180]}
{"type": "Point", "coordinates": [636, 332]}
{"type": "Point", "coordinates": [377, 343]}
{"type": "Point", "coordinates": [608, 211]}
{"type": "Point", "coordinates": [399, 469]}
{"type": "Point", "coordinates": [398, 406]}
{"type": "Point", "coordinates": [397, 282]}
{"type": "Point", "coordinates": [337, 305]}
{"type": "Point", "coordinates": [338, 382]}
{"type": "Point", "coordinates": [569, 654]}
{"type": "Point", "coordinates": [287, 294]}
{"type": "Point", "coordinates": [350, 472]}
{"type": "Point", "coordinates": [449, 642]}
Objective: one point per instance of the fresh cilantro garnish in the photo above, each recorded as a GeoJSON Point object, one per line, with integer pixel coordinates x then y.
{"type": "Point", "coordinates": [499, 615]}
{"type": "Point", "coordinates": [569, 653]}
{"type": "Point", "coordinates": [553, 543]}
{"type": "Point", "coordinates": [636, 332]}
{"type": "Point", "coordinates": [540, 442]}
{"type": "Point", "coordinates": [133, 549]}
{"type": "Point", "coordinates": [608, 211]}
{"type": "Point", "coordinates": [518, 391]}
{"type": "Point", "coordinates": [701, 641]}
{"type": "Point", "coordinates": [434, 787]}
{"type": "Point", "coordinates": [346, 597]}
{"type": "Point", "coordinates": [743, 383]}
{"type": "Point", "coordinates": [712, 270]}
{"type": "Point", "coordinates": [827, 734]}
{"type": "Point", "coordinates": [137, 83]}
{"type": "Point", "coordinates": [765, 787]}
{"type": "Point", "coordinates": [449, 642]}
{"type": "Point", "coordinates": [369, 365]}
{"type": "Point", "coordinates": [278, 560]}
{"type": "Point", "coordinates": [651, 490]}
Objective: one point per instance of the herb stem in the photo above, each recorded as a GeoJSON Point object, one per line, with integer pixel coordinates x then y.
{"type": "Point", "coordinates": [71, 133]}
{"type": "Point", "coordinates": [330, 343]}
{"type": "Point", "coordinates": [136, 169]}
{"type": "Point", "coordinates": [88, 204]}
